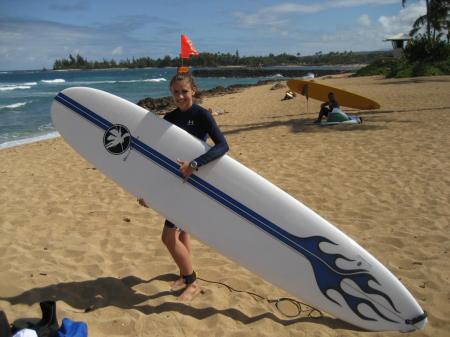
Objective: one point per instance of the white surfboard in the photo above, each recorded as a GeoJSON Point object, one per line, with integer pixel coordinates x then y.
{"type": "Point", "coordinates": [235, 211]}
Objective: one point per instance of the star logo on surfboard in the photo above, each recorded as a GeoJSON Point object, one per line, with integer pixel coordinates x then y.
{"type": "Point", "coordinates": [117, 139]}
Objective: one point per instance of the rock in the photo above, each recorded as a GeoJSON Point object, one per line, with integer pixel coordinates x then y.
{"type": "Point", "coordinates": [278, 86]}
{"type": "Point", "coordinates": [160, 105]}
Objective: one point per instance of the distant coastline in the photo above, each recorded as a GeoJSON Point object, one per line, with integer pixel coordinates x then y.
{"type": "Point", "coordinates": [276, 71]}
{"type": "Point", "coordinates": [220, 60]}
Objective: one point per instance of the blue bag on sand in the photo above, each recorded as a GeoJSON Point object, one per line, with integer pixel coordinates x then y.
{"type": "Point", "coordinates": [70, 328]}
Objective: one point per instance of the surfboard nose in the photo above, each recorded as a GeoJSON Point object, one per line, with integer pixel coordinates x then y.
{"type": "Point", "coordinates": [417, 323]}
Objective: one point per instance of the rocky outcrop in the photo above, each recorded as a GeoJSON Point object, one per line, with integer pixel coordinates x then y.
{"type": "Point", "coordinates": [159, 105]}
{"type": "Point", "coordinates": [165, 104]}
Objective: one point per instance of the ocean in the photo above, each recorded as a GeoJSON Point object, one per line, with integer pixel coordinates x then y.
{"type": "Point", "coordinates": [26, 96]}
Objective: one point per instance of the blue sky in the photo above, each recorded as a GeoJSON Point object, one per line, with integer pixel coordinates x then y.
{"type": "Point", "coordinates": [33, 33]}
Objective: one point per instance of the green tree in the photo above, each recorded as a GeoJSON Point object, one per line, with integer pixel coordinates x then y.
{"type": "Point", "coordinates": [436, 19]}
{"type": "Point", "coordinates": [425, 17]}
{"type": "Point", "coordinates": [440, 18]}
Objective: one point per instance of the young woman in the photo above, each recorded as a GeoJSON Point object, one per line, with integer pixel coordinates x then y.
{"type": "Point", "coordinates": [198, 122]}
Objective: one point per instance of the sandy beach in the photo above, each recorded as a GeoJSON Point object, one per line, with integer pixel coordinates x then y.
{"type": "Point", "coordinates": [70, 234]}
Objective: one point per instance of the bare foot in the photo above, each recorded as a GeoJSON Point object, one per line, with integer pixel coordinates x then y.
{"type": "Point", "coordinates": [191, 291]}
{"type": "Point", "coordinates": [178, 285]}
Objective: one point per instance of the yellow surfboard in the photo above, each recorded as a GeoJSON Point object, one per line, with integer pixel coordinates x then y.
{"type": "Point", "coordinates": [320, 92]}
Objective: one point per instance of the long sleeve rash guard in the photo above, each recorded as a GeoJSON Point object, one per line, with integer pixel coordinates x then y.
{"type": "Point", "coordinates": [199, 123]}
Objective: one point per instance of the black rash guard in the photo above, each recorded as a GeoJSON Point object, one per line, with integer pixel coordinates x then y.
{"type": "Point", "coordinates": [199, 123]}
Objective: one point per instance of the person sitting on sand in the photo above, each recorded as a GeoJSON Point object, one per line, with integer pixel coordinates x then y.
{"type": "Point", "coordinates": [198, 122]}
{"type": "Point", "coordinates": [327, 107]}
{"type": "Point", "coordinates": [289, 95]}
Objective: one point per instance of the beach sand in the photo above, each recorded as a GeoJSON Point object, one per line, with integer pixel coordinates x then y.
{"type": "Point", "coordinates": [70, 234]}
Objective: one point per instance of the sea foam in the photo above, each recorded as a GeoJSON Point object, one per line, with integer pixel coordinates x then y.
{"type": "Point", "coordinates": [57, 80]}
{"type": "Point", "coordinates": [13, 106]}
{"type": "Point", "coordinates": [33, 139]}
{"type": "Point", "coordinates": [10, 87]}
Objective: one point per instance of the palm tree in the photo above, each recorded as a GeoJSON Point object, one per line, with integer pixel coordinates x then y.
{"type": "Point", "coordinates": [440, 17]}
{"type": "Point", "coordinates": [423, 19]}
{"type": "Point", "coordinates": [436, 18]}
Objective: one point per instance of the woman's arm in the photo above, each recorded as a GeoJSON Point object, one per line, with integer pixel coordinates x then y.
{"type": "Point", "coordinates": [220, 143]}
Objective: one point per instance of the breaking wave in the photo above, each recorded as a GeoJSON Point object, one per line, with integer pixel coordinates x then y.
{"type": "Point", "coordinates": [13, 106]}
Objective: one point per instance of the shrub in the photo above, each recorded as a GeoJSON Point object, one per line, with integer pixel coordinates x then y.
{"type": "Point", "coordinates": [422, 50]}
{"type": "Point", "coordinates": [400, 68]}
{"type": "Point", "coordinates": [379, 67]}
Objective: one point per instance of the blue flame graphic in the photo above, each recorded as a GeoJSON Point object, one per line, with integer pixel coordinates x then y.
{"type": "Point", "coordinates": [329, 276]}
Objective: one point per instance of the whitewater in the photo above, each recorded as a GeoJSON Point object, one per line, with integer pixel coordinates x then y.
{"type": "Point", "coordinates": [26, 96]}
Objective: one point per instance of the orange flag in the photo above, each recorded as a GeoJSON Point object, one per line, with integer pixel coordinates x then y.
{"type": "Point", "coordinates": [187, 48]}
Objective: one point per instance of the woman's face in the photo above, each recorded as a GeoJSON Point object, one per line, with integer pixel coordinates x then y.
{"type": "Point", "coordinates": [183, 93]}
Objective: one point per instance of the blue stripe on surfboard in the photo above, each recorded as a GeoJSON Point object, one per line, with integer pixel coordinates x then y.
{"type": "Point", "coordinates": [328, 274]}
{"type": "Point", "coordinates": [83, 111]}
{"type": "Point", "coordinates": [156, 156]}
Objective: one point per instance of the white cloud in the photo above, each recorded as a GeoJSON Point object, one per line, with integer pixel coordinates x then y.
{"type": "Point", "coordinates": [355, 3]}
{"type": "Point", "coordinates": [370, 35]}
{"type": "Point", "coordinates": [117, 51]}
{"type": "Point", "coordinates": [272, 16]}
{"type": "Point", "coordinates": [362, 39]}
{"type": "Point", "coordinates": [294, 8]}
{"type": "Point", "coordinates": [270, 13]}
{"type": "Point", "coordinates": [58, 41]}
{"type": "Point", "coordinates": [279, 18]}
{"type": "Point", "coordinates": [367, 34]}
{"type": "Point", "coordinates": [402, 23]}
{"type": "Point", "coordinates": [364, 20]}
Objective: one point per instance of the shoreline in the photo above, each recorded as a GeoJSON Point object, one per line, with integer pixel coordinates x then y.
{"type": "Point", "coordinates": [161, 105]}
{"type": "Point", "coordinates": [266, 71]}
{"type": "Point", "coordinates": [29, 140]}
{"type": "Point", "coordinates": [158, 106]}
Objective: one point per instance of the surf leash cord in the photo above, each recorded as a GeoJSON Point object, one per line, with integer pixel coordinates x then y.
{"type": "Point", "coordinates": [300, 306]}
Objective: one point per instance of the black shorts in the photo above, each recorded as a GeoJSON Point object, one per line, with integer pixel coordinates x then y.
{"type": "Point", "coordinates": [169, 224]}
{"type": "Point", "coordinates": [324, 111]}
